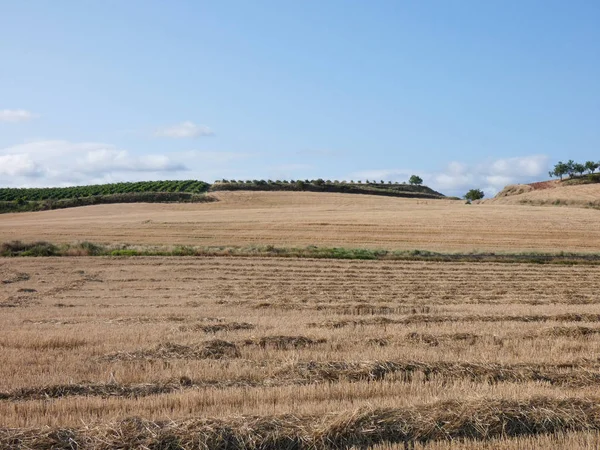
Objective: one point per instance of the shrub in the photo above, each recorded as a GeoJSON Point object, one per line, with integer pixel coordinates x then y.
{"type": "Point", "coordinates": [474, 194]}
{"type": "Point", "coordinates": [18, 248]}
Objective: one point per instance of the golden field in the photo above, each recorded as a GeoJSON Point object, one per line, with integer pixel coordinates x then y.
{"type": "Point", "coordinates": [302, 219]}
{"type": "Point", "coordinates": [220, 352]}
{"type": "Point", "coordinates": [88, 342]}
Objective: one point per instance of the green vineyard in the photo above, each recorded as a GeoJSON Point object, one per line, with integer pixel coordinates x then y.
{"type": "Point", "coordinates": [60, 193]}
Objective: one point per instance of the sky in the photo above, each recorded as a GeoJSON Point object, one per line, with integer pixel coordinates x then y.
{"type": "Point", "coordinates": [465, 93]}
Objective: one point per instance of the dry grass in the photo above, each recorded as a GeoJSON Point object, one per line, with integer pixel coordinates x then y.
{"type": "Point", "coordinates": [435, 340]}
{"type": "Point", "coordinates": [422, 318]}
{"type": "Point", "coordinates": [572, 332]}
{"type": "Point", "coordinates": [333, 220]}
{"type": "Point", "coordinates": [558, 441]}
{"type": "Point", "coordinates": [101, 390]}
{"type": "Point", "coordinates": [215, 349]}
{"type": "Point", "coordinates": [285, 342]}
{"type": "Point", "coordinates": [576, 374]}
{"type": "Point", "coordinates": [442, 421]}
{"type": "Point", "coordinates": [204, 349]}
{"type": "Point", "coordinates": [214, 328]}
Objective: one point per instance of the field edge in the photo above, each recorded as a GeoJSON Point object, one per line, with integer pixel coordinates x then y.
{"type": "Point", "coordinates": [47, 249]}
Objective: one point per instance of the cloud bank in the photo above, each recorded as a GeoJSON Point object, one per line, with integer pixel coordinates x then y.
{"type": "Point", "coordinates": [457, 177]}
{"type": "Point", "coordinates": [183, 130]}
{"type": "Point", "coordinates": [60, 163]}
{"type": "Point", "coordinates": [16, 115]}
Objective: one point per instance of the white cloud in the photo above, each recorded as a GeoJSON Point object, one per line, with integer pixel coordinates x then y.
{"type": "Point", "coordinates": [184, 130]}
{"type": "Point", "coordinates": [530, 166]}
{"type": "Point", "coordinates": [53, 148]}
{"type": "Point", "coordinates": [16, 115]}
{"type": "Point", "coordinates": [457, 168]}
{"type": "Point", "coordinates": [19, 165]}
{"type": "Point", "coordinates": [110, 160]}
{"type": "Point", "coordinates": [458, 177]}
{"type": "Point", "coordinates": [498, 180]}
{"type": "Point", "coordinates": [57, 163]}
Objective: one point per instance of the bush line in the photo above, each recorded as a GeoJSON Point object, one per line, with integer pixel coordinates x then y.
{"type": "Point", "coordinates": [43, 248]}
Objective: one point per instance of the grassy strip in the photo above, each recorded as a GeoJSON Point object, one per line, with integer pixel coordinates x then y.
{"type": "Point", "coordinates": [482, 419]}
{"type": "Point", "coordinates": [42, 248]}
{"type": "Point", "coordinates": [130, 197]}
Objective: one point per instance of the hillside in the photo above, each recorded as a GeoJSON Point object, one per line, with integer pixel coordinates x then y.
{"type": "Point", "coordinates": [572, 193]}
{"type": "Point", "coordinates": [370, 188]}
{"type": "Point", "coordinates": [186, 191]}
{"type": "Point", "coordinates": [288, 219]}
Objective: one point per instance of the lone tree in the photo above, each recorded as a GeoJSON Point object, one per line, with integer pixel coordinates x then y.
{"type": "Point", "coordinates": [474, 194]}
{"type": "Point", "coordinates": [415, 180]}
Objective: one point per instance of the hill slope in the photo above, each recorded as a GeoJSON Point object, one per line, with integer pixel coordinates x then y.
{"type": "Point", "coordinates": [186, 191]}
{"type": "Point", "coordinates": [372, 188]}
{"type": "Point", "coordinates": [550, 193]}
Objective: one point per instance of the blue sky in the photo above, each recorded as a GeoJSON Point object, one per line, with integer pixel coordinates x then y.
{"type": "Point", "coordinates": [465, 93]}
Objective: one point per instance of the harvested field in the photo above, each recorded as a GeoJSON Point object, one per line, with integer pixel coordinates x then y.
{"type": "Point", "coordinates": [309, 353]}
{"type": "Point", "coordinates": [287, 219]}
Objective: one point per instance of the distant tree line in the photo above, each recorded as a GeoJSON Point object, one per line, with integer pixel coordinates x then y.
{"type": "Point", "coordinates": [572, 168]}
{"type": "Point", "coordinates": [414, 180]}
{"type": "Point", "coordinates": [373, 187]}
